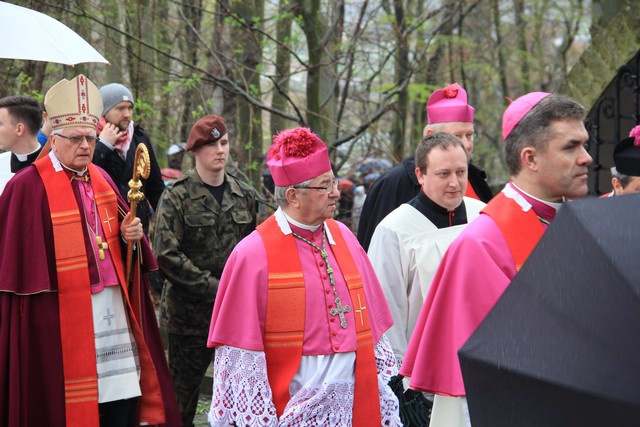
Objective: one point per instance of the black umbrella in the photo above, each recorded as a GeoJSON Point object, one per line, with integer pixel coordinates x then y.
{"type": "Point", "coordinates": [562, 345]}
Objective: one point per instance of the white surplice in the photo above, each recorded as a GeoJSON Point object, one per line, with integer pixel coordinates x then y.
{"type": "Point", "coordinates": [405, 251]}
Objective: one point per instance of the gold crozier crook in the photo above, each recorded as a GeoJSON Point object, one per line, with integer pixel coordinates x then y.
{"type": "Point", "coordinates": [141, 169]}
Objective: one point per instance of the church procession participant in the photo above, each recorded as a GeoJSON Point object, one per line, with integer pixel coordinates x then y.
{"type": "Point", "coordinates": [200, 219]}
{"type": "Point", "coordinates": [299, 319]}
{"type": "Point", "coordinates": [544, 148]}
{"type": "Point", "coordinates": [447, 111]}
{"type": "Point", "coordinates": [79, 346]}
{"type": "Point", "coordinates": [409, 243]}
{"type": "Point", "coordinates": [625, 174]}
{"type": "Point", "coordinates": [20, 118]}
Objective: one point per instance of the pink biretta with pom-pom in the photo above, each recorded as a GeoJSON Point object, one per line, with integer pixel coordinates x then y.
{"type": "Point", "coordinates": [449, 105]}
{"type": "Point", "coordinates": [297, 155]}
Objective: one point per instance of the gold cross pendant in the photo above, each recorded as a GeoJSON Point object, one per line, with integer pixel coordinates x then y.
{"type": "Point", "coordinates": [102, 246]}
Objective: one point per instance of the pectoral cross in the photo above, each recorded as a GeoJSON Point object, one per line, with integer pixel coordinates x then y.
{"type": "Point", "coordinates": [360, 309]}
{"type": "Point", "coordinates": [102, 246]}
{"type": "Point", "coordinates": [339, 311]}
{"type": "Point", "coordinates": [108, 220]}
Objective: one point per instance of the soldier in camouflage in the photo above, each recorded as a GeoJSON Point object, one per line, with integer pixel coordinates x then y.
{"type": "Point", "coordinates": [199, 220]}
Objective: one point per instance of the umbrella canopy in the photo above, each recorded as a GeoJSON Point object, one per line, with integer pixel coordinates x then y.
{"type": "Point", "coordinates": [31, 35]}
{"type": "Point", "coordinates": [561, 347]}
{"type": "Point", "coordinates": [369, 166]}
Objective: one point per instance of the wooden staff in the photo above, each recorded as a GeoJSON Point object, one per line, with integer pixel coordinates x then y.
{"type": "Point", "coordinates": [141, 169]}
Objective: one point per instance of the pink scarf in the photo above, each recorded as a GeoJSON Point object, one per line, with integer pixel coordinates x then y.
{"type": "Point", "coordinates": [123, 142]}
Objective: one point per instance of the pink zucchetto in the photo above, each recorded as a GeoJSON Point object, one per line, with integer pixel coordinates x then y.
{"type": "Point", "coordinates": [518, 109]}
{"type": "Point", "coordinates": [449, 105]}
{"type": "Point", "coordinates": [297, 155]}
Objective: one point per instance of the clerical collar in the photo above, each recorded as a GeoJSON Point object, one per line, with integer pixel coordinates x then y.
{"type": "Point", "coordinates": [298, 224]}
{"type": "Point", "coordinates": [58, 166]}
{"type": "Point", "coordinates": [24, 157]}
{"type": "Point", "coordinates": [79, 173]}
{"type": "Point", "coordinates": [554, 205]}
{"type": "Point", "coordinates": [438, 215]}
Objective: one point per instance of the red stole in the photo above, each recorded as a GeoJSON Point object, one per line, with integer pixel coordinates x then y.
{"type": "Point", "coordinates": [74, 299]}
{"type": "Point", "coordinates": [284, 324]}
{"type": "Point", "coordinates": [521, 230]}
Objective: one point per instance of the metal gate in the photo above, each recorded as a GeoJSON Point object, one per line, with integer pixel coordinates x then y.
{"type": "Point", "coordinates": [613, 115]}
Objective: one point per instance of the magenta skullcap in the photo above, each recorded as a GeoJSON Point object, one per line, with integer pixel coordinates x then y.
{"type": "Point", "coordinates": [449, 105]}
{"type": "Point", "coordinates": [297, 155]}
{"type": "Point", "coordinates": [518, 109]}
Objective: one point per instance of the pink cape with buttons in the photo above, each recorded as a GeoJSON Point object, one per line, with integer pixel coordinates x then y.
{"type": "Point", "coordinates": [238, 317]}
{"type": "Point", "coordinates": [473, 274]}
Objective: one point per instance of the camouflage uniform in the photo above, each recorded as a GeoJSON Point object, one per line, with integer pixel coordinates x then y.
{"type": "Point", "coordinates": [193, 238]}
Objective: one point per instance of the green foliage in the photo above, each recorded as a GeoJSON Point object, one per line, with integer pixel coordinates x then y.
{"type": "Point", "coordinates": [420, 92]}
{"type": "Point", "coordinates": [193, 81]}
{"type": "Point", "coordinates": [143, 111]}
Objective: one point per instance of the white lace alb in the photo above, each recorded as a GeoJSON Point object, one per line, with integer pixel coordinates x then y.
{"type": "Point", "coordinates": [241, 392]}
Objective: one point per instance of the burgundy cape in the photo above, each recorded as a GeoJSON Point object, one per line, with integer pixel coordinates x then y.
{"type": "Point", "coordinates": [31, 377]}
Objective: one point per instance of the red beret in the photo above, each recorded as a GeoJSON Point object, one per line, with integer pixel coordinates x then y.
{"type": "Point", "coordinates": [207, 130]}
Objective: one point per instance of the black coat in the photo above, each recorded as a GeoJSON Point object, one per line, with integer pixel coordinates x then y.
{"type": "Point", "coordinates": [121, 171]}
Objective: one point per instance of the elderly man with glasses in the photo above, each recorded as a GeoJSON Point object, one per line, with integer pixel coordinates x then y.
{"type": "Point", "coordinates": [76, 337]}
{"type": "Point", "coordinates": [299, 320]}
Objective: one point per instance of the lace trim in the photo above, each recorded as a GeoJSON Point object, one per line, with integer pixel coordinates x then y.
{"type": "Point", "coordinates": [241, 393]}
{"type": "Point", "coordinates": [387, 368]}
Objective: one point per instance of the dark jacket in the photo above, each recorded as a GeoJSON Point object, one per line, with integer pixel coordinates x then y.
{"type": "Point", "coordinates": [121, 171]}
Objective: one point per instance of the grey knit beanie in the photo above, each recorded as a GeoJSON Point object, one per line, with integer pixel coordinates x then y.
{"type": "Point", "coordinates": [114, 93]}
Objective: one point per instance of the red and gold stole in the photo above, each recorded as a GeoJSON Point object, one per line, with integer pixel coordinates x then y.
{"type": "Point", "coordinates": [284, 324]}
{"type": "Point", "coordinates": [522, 230]}
{"type": "Point", "coordinates": [74, 298]}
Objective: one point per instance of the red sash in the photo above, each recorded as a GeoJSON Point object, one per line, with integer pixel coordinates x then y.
{"type": "Point", "coordinates": [74, 299]}
{"type": "Point", "coordinates": [284, 325]}
{"type": "Point", "coordinates": [522, 230]}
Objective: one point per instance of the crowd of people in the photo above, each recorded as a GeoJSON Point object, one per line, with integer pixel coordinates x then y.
{"type": "Point", "coordinates": [306, 320]}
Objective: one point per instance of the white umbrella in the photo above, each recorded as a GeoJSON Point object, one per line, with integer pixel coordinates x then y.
{"type": "Point", "coordinates": [31, 35]}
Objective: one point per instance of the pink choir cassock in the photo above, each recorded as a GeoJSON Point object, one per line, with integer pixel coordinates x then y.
{"type": "Point", "coordinates": [473, 274]}
{"type": "Point", "coordinates": [241, 301]}
{"type": "Point", "coordinates": [240, 308]}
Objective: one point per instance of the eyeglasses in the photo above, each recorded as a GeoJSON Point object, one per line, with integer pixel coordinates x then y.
{"type": "Point", "coordinates": [77, 140]}
{"type": "Point", "coordinates": [328, 189]}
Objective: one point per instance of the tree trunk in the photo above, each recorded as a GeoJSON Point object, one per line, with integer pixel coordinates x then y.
{"type": "Point", "coordinates": [279, 99]}
{"type": "Point", "coordinates": [523, 54]}
{"type": "Point", "coordinates": [402, 66]}
{"type": "Point", "coordinates": [502, 63]}
{"type": "Point", "coordinates": [323, 39]}
{"type": "Point", "coordinates": [192, 12]}
{"type": "Point", "coordinates": [249, 56]}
